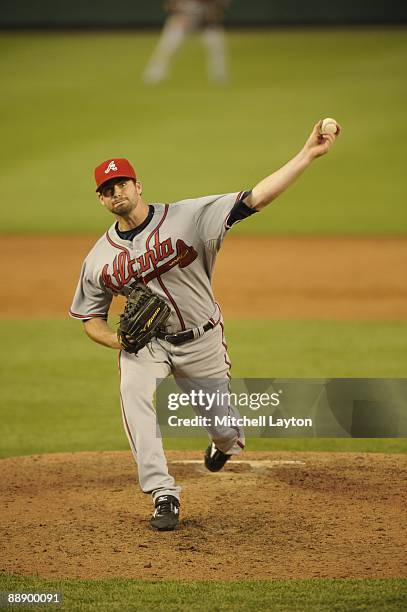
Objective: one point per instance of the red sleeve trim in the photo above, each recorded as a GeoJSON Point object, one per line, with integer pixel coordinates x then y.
{"type": "Point", "coordinates": [238, 196]}
{"type": "Point", "coordinates": [91, 315]}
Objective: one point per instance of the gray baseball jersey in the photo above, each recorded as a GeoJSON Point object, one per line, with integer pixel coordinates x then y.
{"type": "Point", "coordinates": [173, 251]}
{"type": "Point", "coordinates": [174, 255]}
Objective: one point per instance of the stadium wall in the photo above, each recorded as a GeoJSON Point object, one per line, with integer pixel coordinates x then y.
{"type": "Point", "coordinates": [150, 13]}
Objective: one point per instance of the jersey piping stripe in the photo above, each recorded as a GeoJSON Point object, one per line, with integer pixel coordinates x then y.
{"type": "Point", "coordinates": [159, 279]}
{"type": "Point", "coordinates": [238, 442]}
{"type": "Point", "coordinates": [212, 319]}
{"type": "Point", "coordinates": [126, 425]}
{"type": "Point", "coordinates": [156, 229]}
{"type": "Point", "coordinates": [228, 363]}
{"type": "Point", "coordinates": [117, 246]}
{"type": "Point", "coordinates": [173, 302]}
{"type": "Point", "coordinates": [92, 315]}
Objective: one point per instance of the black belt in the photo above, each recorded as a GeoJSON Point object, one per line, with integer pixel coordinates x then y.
{"type": "Point", "coordinates": [184, 336]}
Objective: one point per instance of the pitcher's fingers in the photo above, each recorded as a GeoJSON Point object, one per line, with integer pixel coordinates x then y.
{"type": "Point", "coordinates": [329, 137]}
{"type": "Point", "coordinates": [317, 127]}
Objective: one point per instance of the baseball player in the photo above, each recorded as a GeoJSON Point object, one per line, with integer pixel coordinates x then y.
{"type": "Point", "coordinates": [185, 17]}
{"type": "Point", "coordinates": [171, 249]}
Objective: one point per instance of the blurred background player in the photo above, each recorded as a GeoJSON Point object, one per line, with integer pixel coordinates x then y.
{"type": "Point", "coordinates": [186, 16]}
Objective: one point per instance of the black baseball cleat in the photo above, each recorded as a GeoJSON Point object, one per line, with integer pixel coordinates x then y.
{"type": "Point", "coordinates": [166, 513]}
{"type": "Point", "coordinates": [214, 458]}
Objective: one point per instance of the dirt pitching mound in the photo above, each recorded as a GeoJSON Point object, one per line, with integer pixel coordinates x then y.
{"type": "Point", "coordinates": [269, 515]}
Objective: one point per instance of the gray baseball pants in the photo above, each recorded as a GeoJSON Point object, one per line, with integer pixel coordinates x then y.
{"type": "Point", "coordinates": [205, 357]}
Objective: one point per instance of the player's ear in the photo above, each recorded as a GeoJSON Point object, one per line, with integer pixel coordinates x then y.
{"type": "Point", "coordinates": [99, 195]}
{"type": "Point", "coordinates": [139, 188]}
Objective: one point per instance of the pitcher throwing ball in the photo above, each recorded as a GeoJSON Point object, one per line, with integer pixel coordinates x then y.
{"type": "Point", "coordinates": [162, 257]}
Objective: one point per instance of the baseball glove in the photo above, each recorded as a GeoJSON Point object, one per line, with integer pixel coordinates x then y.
{"type": "Point", "coordinates": [144, 314]}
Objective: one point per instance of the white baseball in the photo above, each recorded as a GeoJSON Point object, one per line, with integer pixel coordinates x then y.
{"type": "Point", "coordinates": [329, 126]}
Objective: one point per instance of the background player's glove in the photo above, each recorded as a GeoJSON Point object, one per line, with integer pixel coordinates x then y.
{"type": "Point", "coordinates": [144, 314]}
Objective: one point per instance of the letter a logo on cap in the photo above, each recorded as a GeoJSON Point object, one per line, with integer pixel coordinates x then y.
{"type": "Point", "coordinates": [111, 166]}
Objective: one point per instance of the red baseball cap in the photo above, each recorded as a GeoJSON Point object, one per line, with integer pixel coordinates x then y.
{"type": "Point", "coordinates": [113, 168]}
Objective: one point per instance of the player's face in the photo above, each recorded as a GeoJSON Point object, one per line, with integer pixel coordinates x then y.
{"type": "Point", "coordinates": [120, 196]}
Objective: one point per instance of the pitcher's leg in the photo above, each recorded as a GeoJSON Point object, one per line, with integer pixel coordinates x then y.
{"type": "Point", "coordinates": [204, 364]}
{"type": "Point", "coordinates": [138, 375]}
{"type": "Point", "coordinates": [211, 401]}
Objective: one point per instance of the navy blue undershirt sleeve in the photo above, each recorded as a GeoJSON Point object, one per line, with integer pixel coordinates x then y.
{"type": "Point", "coordinates": [240, 211]}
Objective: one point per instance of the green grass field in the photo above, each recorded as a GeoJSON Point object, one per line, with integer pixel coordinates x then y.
{"type": "Point", "coordinates": [74, 99]}
{"type": "Point", "coordinates": [71, 100]}
{"type": "Point", "coordinates": [275, 595]}
{"type": "Point", "coordinates": [62, 405]}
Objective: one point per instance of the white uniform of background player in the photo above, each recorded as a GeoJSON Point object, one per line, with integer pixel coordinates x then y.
{"type": "Point", "coordinates": [172, 248]}
{"type": "Point", "coordinates": [187, 16]}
